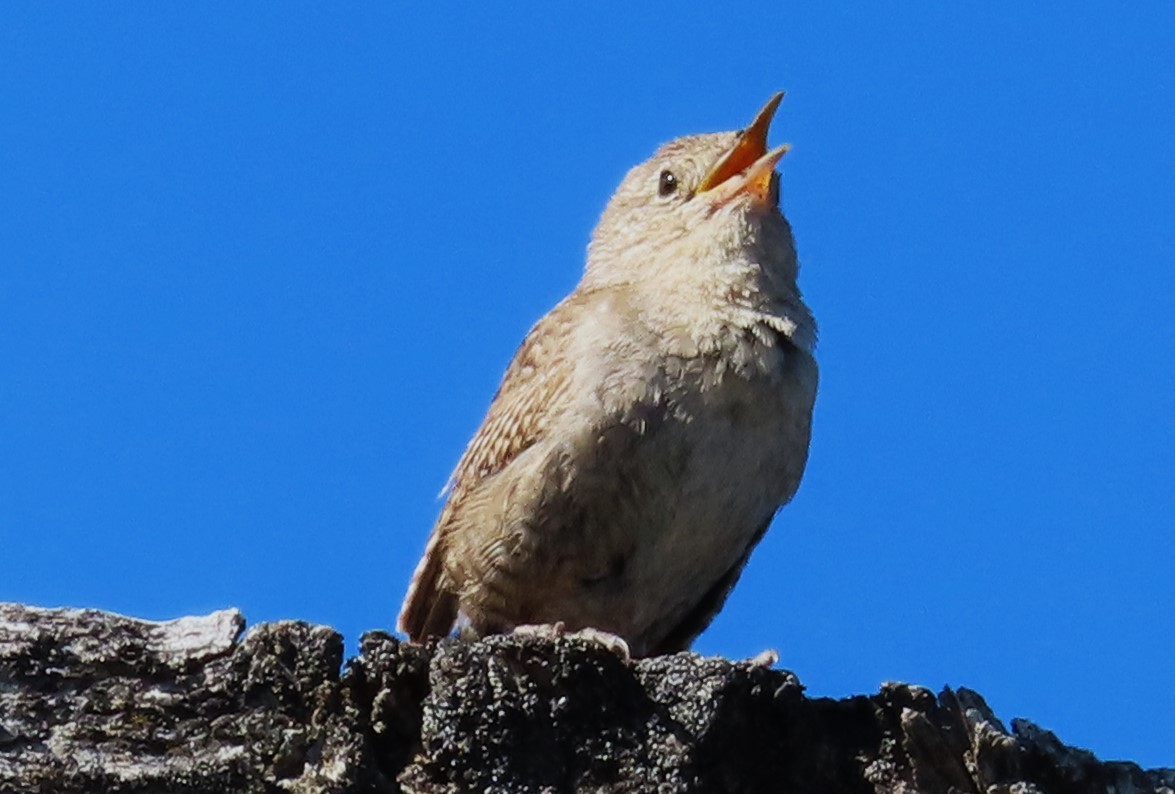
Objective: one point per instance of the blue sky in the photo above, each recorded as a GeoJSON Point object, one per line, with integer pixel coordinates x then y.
{"type": "Point", "coordinates": [260, 273]}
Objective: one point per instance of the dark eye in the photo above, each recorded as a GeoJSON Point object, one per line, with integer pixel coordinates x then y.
{"type": "Point", "coordinates": [668, 185]}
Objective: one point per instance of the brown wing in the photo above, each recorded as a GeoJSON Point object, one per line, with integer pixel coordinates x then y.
{"type": "Point", "coordinates": [517, 418]}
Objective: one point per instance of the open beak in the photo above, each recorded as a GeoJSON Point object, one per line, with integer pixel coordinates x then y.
{"type": "Point", "coordinates": [747, 167]}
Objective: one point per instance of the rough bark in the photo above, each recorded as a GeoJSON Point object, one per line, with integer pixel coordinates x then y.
{"type": "Point", "coordinates": [91, 701]}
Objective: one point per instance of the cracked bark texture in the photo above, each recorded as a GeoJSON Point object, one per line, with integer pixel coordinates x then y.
{"type": "Point", "coordinates": [91, 701]}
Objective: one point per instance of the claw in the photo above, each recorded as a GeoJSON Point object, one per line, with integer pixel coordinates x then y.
{"type": "Point", "coordinates": [555, 631]}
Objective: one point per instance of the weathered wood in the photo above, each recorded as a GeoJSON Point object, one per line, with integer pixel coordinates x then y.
{"type": "Point", "coordinates": [91, 701]}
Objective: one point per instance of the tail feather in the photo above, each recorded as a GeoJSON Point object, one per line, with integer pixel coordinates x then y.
{"type": "Point", "coordinates": [430, 608]}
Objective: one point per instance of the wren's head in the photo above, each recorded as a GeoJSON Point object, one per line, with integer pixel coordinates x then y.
{"type": "Point", "coordinates": [699, 201]}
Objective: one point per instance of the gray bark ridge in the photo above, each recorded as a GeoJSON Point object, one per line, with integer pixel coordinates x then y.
{"type": "Point", "coordinates": [92, 701]}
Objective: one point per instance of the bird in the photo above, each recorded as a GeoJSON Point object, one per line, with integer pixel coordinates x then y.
{"type": "Point", "coordinates": [648, 428]}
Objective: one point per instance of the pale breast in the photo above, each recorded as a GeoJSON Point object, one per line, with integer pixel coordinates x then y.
{"type": "Point", "coordinates": [748, 440]}
{"type": "Point", "coordinates": [654, 510]}
{"type": "Point", "coordinates": [648, 486]}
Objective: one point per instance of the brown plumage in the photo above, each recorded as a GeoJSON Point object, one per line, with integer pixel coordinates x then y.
{"type": "Point", "coordinates": [649, 426]}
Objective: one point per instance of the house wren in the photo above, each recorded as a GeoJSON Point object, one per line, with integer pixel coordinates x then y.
{"type": "Point", "coordinates": [649, 426]}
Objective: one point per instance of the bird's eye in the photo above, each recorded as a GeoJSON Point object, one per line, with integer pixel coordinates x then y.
{"type": "Point", "coordinates": [668, 184]}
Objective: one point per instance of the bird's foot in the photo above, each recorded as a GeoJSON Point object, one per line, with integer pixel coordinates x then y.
{"type": "Point", "coordinates": [545, 631]}
{"type": "Point", "coordinates": [554, 631]}
{"type": "Point", "coordinates": [612, 642]}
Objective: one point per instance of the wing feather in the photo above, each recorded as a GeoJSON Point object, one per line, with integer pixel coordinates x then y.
{"type": "Point", "coordinates": [516, 420]}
